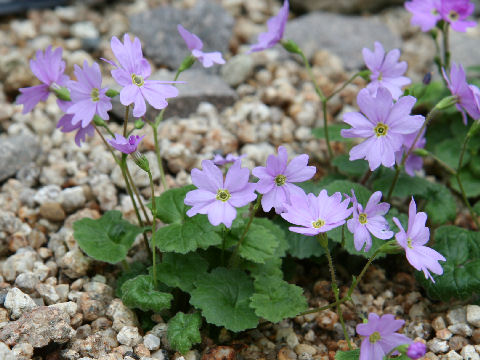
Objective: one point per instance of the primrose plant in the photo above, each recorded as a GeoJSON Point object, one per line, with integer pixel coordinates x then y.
{"type": "Point", "coordinates": [217, 249]}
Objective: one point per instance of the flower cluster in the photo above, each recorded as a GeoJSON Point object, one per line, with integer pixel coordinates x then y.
{"type": "Point", "coordinates": [427, 13]}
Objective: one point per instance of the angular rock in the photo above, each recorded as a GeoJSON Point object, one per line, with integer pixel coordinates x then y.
{"type": "Point", "coordinates": [17, 303]}
{"type": "Point", "coordinates": [128, 335]}
{"type": "Point", "coordinates": [473, 315]}
{"type": "Point", "coordinates": [38, 328]}
{"type": "Point", "coordinates": [341, 35]}
{"type": "Point", "coordinates": [237, 69]}
{"type": "Point", "coordinates": [206, 19]}
{"type": "Point", "coordinates": [24, 148]}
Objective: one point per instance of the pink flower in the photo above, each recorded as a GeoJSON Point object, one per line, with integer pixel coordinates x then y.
{"type": "Point", "coordinates": [126, 146]}
{"type": "Point", "coordinates": [380, 336]}
{"type": "Point", "coordinates": [455, 12]}
{"type": "Point", "coordinates": [278, 177]}
{"type": "Point", "coordinates": [316, 214]}
{"type": "Point", "coordinates": [425, 13]}
{"type": "Point", "coordinates": [276, 27]}
{"type": "Point", "coordinates": [368, 221]}
{"type": "Point", "coordinates": [416, 350]}
{"type": "Point", "coordinates": [195, 45]}
{"type": "Point", "coordinates": [220, 160]}
{"type": "Point", "coordinates": [382, 124]}
{"type": "Point", "coordinates": [66, 125]}
{"type": "Point", "coordinates": [386, 71]}
{"type": "Point", "coordinates": [420, 257]}
{"type": "Point", "coordinates": [217, 197]}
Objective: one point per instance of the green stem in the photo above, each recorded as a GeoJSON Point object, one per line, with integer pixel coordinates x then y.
{"type": "Point", "coordinates": [326, 307]}
{"type": "Point", "coordinates": [323, 240]}
{"type": "Point", "coordinates": [154, 225]}
{"type": "Point", "coordinates": [349, 81]}
{"type": "Point", "coordinates": [224, 235]}
{"type": "Point", "coordinates": [158, 155]}
{"type": "Point", "coordinates": [442, 164]}
{"type": "Point", "coordinates": [134, 188]}
{"type": "Point", "coordinates": [125, 121]}
{"type": "Point", "coordinates": [125, 265]}
{"type": "Point", "coordinates": [357, 280]}
{"type": "Point", "coordinates": [325, 129]}
{"type": "Point", "coordinates": [446, 46]}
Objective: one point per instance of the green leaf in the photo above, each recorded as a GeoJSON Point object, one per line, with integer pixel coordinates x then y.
{"type": "Point", "coordinates": [275, 299]}
{"type": "Point", "coordinates": [106, 239]}
{"type": "Point", "coordinates": [184, 331]}
{"type": "Point", "coordinates": [461, 271]}
{"type": "Point", "coordinates": [449, 152]}
{"type": "Point", "coordinates": [441, 206]}
{"type": "Point", "coordinates": [181, 271]}
{"type": "Point", "coordinates": [136, 268]}
{"type": "Point", "coordinates": [350, 168]}
{"type": "Point", "coordinates": [271, 267]}
{"type": "Point", "coordinates": [300, 246]}
{"type": "Point", "coordinates": [170, 206]}
{"type": "Point", "coordinates": [345, 187]}
{"type": "Point", "coordinates": [276, 231]}
{"type": "Point", "coordinates": [140, 293]}
{"type": "Point", "coordinates": [406, 186]}
{"type": "Point", "coordinates": [333, 132]}
{"type": "Point", "coordinates": [470, 183]}
{"type": "Point", "coordinates": [223, 296]}
{"type": "Point", "coordinates": [348, 355]}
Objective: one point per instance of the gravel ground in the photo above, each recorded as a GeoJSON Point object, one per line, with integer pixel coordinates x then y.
{"type": "Point", "coordinates": [55, 303]}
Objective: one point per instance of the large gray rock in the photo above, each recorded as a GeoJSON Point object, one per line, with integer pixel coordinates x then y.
{"type": "Point", "coordinates": [343, 6]}
{"type": "Point", "coordinates": [199, 87]}
{"type": "Point", "coordinates": [157, 28]}
{"type": "Point", "coordinates": [464, 47]}
{"type": "Point", "coordinates": [342, 35]}
{"type": "Point", "coordinates": [17, 152]}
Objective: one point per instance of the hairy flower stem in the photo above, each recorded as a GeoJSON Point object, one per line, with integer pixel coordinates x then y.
{"type": "Point", "coordinates": [154, 225]}
{"type": "Point", "coordinates": [323, 240]}
{"type": "Point", "coordinates": [357, 280]}
{"type": "Point", "coordinates": [125, 121]}
{"type": "Point", "coordinates": [253, 210]}
{"type": "Point", "coordinates": [135, 191]}
{"type": "Point", "coordinates": [157, 152]}
{"type": "Point", "coordinates": [446, 46]}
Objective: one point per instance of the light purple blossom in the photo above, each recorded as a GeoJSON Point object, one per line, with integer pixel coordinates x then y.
{"type": "Point", "coordinates": [278, 177]}
{"type": "Point", "coordinates": [316, 214]}
{"type": "Point", "coordinates": [65, 124]}
{"type": "Point", "coordinates": [126, 146]}
{"type": "Point", "coordinates": [48, 67]}
{"type": "Point", "coordinates": [468, 95]}
{"type": "Point", "coordinates": [276, 28]}
{"type": "Point", "coordinates": [420, 257]}
{"type": "Point", "coordinates": [218, 197]}
{"type": "Point", "coordinates": [383, 124]}
{"type": "Point", "coordinates": [386, 70]}
{"type": "Point", "coordinates": [195, 45]}
{"type": "Point", "coordinates": [230, 158]}
{"type": "Point", "coordinates": [413, 162]}
{"type": "Point", "coordinates": [425, 13]}
{"type": "Point", "coordinates": [380, 336]}
{"type": "Point", "coordinates": [88, 97]}
{"type": "Point", "coordinates": [368, 221]}
{"type": "Point", "coordinates": [455, 12]}
{"type": "Point", "coordinates": [416, 350]}
{"type": "Point", "coordinates": [132, 74]}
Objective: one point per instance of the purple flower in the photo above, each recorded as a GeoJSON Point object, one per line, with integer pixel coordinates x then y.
{"type": "Point", "coordinates": [420, 257]}
{"type": "Point", "coordinates": [48, 67]}
{"type": "Point", "coordinates": [65, 124]}
{"type": "Point", "coordinates": [468, 95]}
{"type": "Point", "coordinates": [126, 146]}
{"type": "Point", "coordinates": [369, 221]}
{"type": "Point", "coordinates": [425, 13]}
{"type": "Point", "coordinates": [416, 350]}
{"type": "Point", "coordinates": [455, 12]}
{"type": "Point", "coordinates": [220, 160]}
{"type": "Point", "coordinates": [133, 73]}
{"type": "Point", "coordinates": [380, 336]}
{"type": "Point", "coordinates": [217, 197]}
{"type": "Point", "coordinates": [413, 162]}
{"type": "Point", "coordinates": [276, 27]}
{"type": "Point", "coordinates": [88, 97]}
{"type": "Point", "coordinates": [195, 45]}
{"type": "Point", "coordinates": [277, 178]}
{"type": "Point", "coordinates": [316, 214]}
{"type": "Point", "coordinates": [383, 124]}
{"type": "Point", "coordinates": [386, 71]}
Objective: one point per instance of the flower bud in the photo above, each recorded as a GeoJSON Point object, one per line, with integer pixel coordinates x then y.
{"type": "Point", "coordinates": [474, 128]}
{"type": "Point", "coordinates": [139, 124]}
{"type": "Point", "coordinates": [111, 93]}
{"type": "Point", "coordinates": [97, 120]}
{"type": "Point", "coordinates": [62, 93]}
{"type": "Point", "coordinates": [291, 46]}
{"type": "Point", "coordinates": [446, 102]}
{"type": "Point", "coordinates": [420, 152]}
{"type": "Point", "coordinates": [427, 78]}
{"type": "Point", "coordinates": [187, 63]}
{"type": "Point", "coordinates": [141, 160]}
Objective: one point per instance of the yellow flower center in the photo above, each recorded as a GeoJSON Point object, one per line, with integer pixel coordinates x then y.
{"type": "Point", "coordinates": [409, 243]}
{"type": "Point", "coordinates": [280, 180]}
{"type": "Point", "coordinates": [453, 15]}
{"type": "Point", "coordinates": [318, 224]}
{"type": "Point", "coordinates": [223, 195]}
{"type": "Point", "coordinates": [381, 129]}
{"type": "Point", "coordinates": [137, 80]}
{"type": "Point", "coordinates": [374, 337]}
{"type": "Point", "coordinates": [434, 12]}
{"type": "Point", "coordinates": [362, 218]}
{"type": "Point", "coordinates": [95, 94]}
{"type": "Point", "coordinates": [379, 77]}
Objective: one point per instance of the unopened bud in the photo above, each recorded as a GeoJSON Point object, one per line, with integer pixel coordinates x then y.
{"type": "Point", "coordinates": [427, 78]}
{"type": "Point", "coordinates": [111, 93]}
{"type": "Point", "coordinates": [474, 128]}
{"type": "Point", "coordinates": [139, 124]}
{"type": "Point", "coordinates": [446, 102]}
{"type": "Point", "coordinates": [141, 160]}
{"type": "Point", "coordinates": [187, 63]}
{"type": "Point", "coordinates": [365, 74]}
{"type": "Point", "coordinates": [292, 47]}
{"type": "Point", "coordinates": [390, 247]}
{"type": "Point", "coordinates": [97, 120]}
{"type": "Point", "coordinates": [62, 93]}
{"type": "Point", "coordinates": [421, 152]}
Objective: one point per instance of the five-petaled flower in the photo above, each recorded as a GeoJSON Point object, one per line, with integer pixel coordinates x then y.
{"type": "Point", "coordinates": [126, 146]}
{"type": "Point", "coordinates": [277, 178]}
{"type": "Point", "coordinates": [195, 45]}
{"type": "Point", "coordinates": [218, 197]}
{"type": "Point", "coordinates": [229, 158]}
{"type": "Point", "coordinates": [276, 28]}
{"type": "Point", "coordinates": [380, 336]}
{"type": "Point", "coordinates": [416, 350]}
{"type": "Point", "coordinates": [455, 12]}
{"type": "Point", "coordinates": [383, 124]}
{"type": "Point", "coordinates": [425, 13]}
{"type": "Point", "coordinates": [413, 240]}
{"type": "Point", "coordinates": [66, 125]}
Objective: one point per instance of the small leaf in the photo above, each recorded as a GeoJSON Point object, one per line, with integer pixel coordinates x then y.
{"type": "Point", "coordinates": [136, 268]}
{"type": "Point", "coordinates": [184, 331]}
{"type": "Point", "coordinates": [350, 168]}
{"type": "Point", "coordinates": [275, 299]}
{"type": "Point", "coordinates": [333, 132]}
{"type": "Point", "coordinates": [300, 246]}
{"type": "Point", "coordinates": [449, 152]}
{"type": "Point", "coordinates": [223, 296]}
{"type": "Point", "coordinates": [170, 206]}
{"type": "Point", "coordinates": [140, 293]}
{"type": "Point", "coordinates": [181, 271]}
{"type": "Point", "coordinates": [345, 187]}
{"type": "Point", "coordinates": [106, 239]}
{"type": "Point", "coordinates": [406, 185]}
{"type": "Point", "coordinates": [441, 206]}
{"type": "Point", "coordinates": [271, 267]}
{"type": "Point", "coordinates": [470, 183]}
{"type": "Point", "coordinates": [348, 355]}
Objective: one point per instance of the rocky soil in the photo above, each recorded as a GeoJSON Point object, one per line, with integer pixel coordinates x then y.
{"type": "Point", "coordinates": [55, 303]}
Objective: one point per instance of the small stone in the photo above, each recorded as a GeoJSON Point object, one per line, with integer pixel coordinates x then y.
{"type": "Point", "coordinates": [84, 30]}
{"type": "Point", "coordinates": [438, 323]}
{"type": "Point", "coordinates": [286, 354]}
{"type": "Point", "coordinates": [27, 281]}
{"type": "Point", "coordinates": [73, 198]}
{"type": "Point", "coordinates": [23, 351]}
{"type": "Point", "coordinates": [142, 351]}
{"type": "Point", "coordinates": [129, 336]}
{"type": "Point", "coordinates": [292, 340]}
{"type": "Point", "coordinates": [17, 303]}
{"type": "Point", "coordinates": [237, 70]}
{"type": "Point", "coordinates": [327, 319]}
{"type": "Point", "coordinates": [151, 341]}
{"type": "Point", "coordinates": [453, 355]}
{"type": "Point", "coordinates": [5, 352]}
{"type": "Point", "coordinates": [418, 311]}
{"type": "Point", "coordinates": [52, 211]}
{"type": "Point", "coordinates": [438, 346]}
{"type": "Point", "coordinates": [473, 315]}
{"type": "Point", "coordinates": [304, 348]}
{"type": "Point", "coordinates": [68, 307]}
{"type": "Point", "coordinates": [74, 264]}
{"type": "Point", "coordinates": [444, 334]}
{"type": "Point", "coordinates": [121, 315]}
{"type": "Point", "coordinates": [457, 316]}
{"type": "Point", "coordinates": [461, 329]}
{"type": "Point", "coordinates": [476, 336]}
{"type": "Point", "coordinates": [91, 306]}
{"type": "Point", "coordinates": [457, 342]}
{"type": "Point", "coordinates": [430, 356]}
{"type": "Point", "coordinates": [469, 353]}
{"type": "Point", "coordinates": [219, 353]}
{"type": "Point", "coordinates": [14, 147]}
{"type": "Point", "coordinates": [48, 293]}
